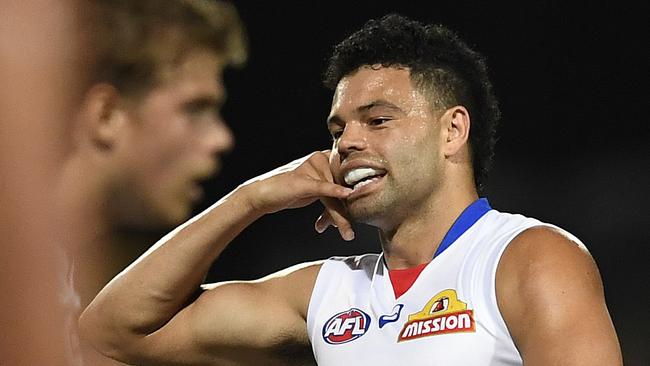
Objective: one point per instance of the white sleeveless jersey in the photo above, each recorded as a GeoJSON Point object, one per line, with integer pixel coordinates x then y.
{"type": "Point", "coordinates": [449, 316]}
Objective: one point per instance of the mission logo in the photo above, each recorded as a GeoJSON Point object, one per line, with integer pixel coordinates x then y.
{"type": "Point", "coordinates": [443, 314]}
{"type": "Point", "coordinates": [346, 326]}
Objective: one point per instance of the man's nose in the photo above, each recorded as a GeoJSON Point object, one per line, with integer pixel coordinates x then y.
{"type": "Point", "coordinates": [220, 138]}
{"type": "Point", "coordinates": [353, 138]}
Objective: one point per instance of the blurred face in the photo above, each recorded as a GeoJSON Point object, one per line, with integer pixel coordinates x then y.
{"type": "Point", "coordinates": [173, 141]}
{"type": "Point", "coordinates": [385, 145]}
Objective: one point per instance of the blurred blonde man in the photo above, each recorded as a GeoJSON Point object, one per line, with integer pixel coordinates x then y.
{"type": "Point", "coordinates": [148, 130]}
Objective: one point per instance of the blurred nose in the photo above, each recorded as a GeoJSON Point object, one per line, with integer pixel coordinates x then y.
{"type": "Point", "coordinates": [219, 138]}
{"type": "Point", "coordinates": [352, 139]}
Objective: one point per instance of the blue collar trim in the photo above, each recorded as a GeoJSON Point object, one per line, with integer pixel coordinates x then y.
{"type": "Point", "coordinates": [466, 219]}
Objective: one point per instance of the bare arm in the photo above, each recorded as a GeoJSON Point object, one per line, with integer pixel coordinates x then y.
{"type": "Point", "coordinates": [142, 315]}
{"type": "Point", "coordinates": [551, 297]}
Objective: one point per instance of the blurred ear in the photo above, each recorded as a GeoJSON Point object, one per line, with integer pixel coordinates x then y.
{"type": "Point", "coordinates": [101, 118]}
{"type": "Point", "coordinates": [456, 123]}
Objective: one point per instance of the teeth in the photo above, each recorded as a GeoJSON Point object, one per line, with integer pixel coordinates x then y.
{"type": "Point", "coordinates": [355, 175]}
{"type": "Point", "coordinates": [365, 182]}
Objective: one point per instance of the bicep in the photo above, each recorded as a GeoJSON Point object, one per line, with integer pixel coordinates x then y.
{"type": "Point", "coordinates": [237, 323]}
{"type": "Point", "coordinates": [551, 297]}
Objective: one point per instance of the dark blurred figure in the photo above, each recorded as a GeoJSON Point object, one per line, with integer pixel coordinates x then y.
{"type": "Point", "coordinates": [148, 130]}
{"type": "Point", "coordinates": [42, 60]}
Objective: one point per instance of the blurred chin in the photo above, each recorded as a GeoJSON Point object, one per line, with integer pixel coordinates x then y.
{"type": "Point", "coordinates": [164, 217]}
{"type": "Point", "coordinates": [177, 213]}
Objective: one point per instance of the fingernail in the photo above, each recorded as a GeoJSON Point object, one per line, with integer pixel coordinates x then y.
{"type": "Point", "coordinates": [348, 235]}
{"type": "Point", "coordinates": [318, 225]}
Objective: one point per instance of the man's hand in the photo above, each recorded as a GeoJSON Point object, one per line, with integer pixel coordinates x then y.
{"type": "Point", "coordinates": [299, 184]}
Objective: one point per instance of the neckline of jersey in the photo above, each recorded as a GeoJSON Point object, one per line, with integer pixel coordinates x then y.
{"type": "Point", "coordinates": [402, 279]}
{"type": "Point", "coordinates": [465, 220]}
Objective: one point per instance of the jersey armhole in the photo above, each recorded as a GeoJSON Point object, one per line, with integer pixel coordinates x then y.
{"type": "Point", "coordinates": [316, 298]}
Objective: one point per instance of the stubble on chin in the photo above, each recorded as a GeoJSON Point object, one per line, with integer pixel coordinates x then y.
{"type": "Point", "coordinates": [366, 210]}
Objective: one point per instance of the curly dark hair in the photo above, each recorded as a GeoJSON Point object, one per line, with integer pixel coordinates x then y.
{"type": "Point", "coordinates": [441, 65]}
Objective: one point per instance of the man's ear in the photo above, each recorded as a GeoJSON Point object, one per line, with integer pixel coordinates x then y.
{"type": "Point", "coordinates": [102, 116]}
{"type": "Point", "coordinates": [456, 122]}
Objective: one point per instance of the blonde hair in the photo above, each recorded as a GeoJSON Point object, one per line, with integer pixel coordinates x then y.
{"type": "Point", "coordinates": [135, 40]}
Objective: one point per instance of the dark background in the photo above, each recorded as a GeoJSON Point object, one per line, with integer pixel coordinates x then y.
{"type": "Point", "coordinates": [573, 146]}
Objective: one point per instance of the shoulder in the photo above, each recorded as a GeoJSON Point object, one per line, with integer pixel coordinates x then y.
{"type": "Point", "coordinates": [544, 262]}
{"type": "Point", "coordinates": [550, 294]}
{"type": "Point", "coordinates": [544, 255]}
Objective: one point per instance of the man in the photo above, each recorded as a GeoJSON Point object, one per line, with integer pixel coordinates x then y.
{"type": "Point", "coordinates": [148, 131]}
{"type": "Point", "coordinates": [457, 283]}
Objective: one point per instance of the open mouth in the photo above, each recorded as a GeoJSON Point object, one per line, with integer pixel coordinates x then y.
{"type": "Point", "coordinates": [196, 191]}
{"type": "Point", "coordinates": [360, 177]}
{"type": "Point", "coordinates": [197, 186]}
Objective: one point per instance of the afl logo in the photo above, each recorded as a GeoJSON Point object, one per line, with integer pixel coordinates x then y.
{"type": "Point", "coordinates": [346, 326]}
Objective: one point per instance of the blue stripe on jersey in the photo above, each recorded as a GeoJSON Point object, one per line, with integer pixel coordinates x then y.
{"type": "Point", "coordinates": [466, 219]}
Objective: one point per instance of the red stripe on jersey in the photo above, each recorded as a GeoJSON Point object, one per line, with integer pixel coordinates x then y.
{"type": "Point", "coordinates": [403, 279]}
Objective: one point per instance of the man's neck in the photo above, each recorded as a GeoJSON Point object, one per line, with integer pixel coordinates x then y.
{"type": "Point", "coordinates": [109, 252]}
{"type": "Point", "coordinates": [417, 237]}
{"type": "Point", "coordinates": [107, 249]}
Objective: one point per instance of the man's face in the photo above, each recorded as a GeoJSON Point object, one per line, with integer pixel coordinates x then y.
{"type": "Point", "coordinates": [386, 143]}
{"type": "Point", "coordinates": [173, 141]}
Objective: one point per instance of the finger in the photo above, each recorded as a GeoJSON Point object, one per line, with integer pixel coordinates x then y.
{"type": "Point", "coordinates": [329, 165]}
{"type": "Point", "coordinates": [322, 223]}
{"type": "Point", "coordinates": [319, 162]}
{"type": "Point", "coordinates": [335, 216]}
{"type": "Point", "coordinates": [327, 189]}
{"type": "Point", "coordinates": [306, 191]}
{"type": "Point", "coordinates": [343, 225]}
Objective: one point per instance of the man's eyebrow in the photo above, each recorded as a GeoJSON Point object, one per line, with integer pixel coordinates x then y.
{"type": "Point", "coordinates": [205, 102]}
{"type": "Point", "coordinates": [379, 103]}
{"type": "Point", "coordinates": [334, 120]}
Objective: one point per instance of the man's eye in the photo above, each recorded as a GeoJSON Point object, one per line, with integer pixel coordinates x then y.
{"type": "Point", "coordinates": [378, 121]}
{"type": "Point", "coordinates": [202, 108]}
{"type": "Point", "coordinates": [336, 134]}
